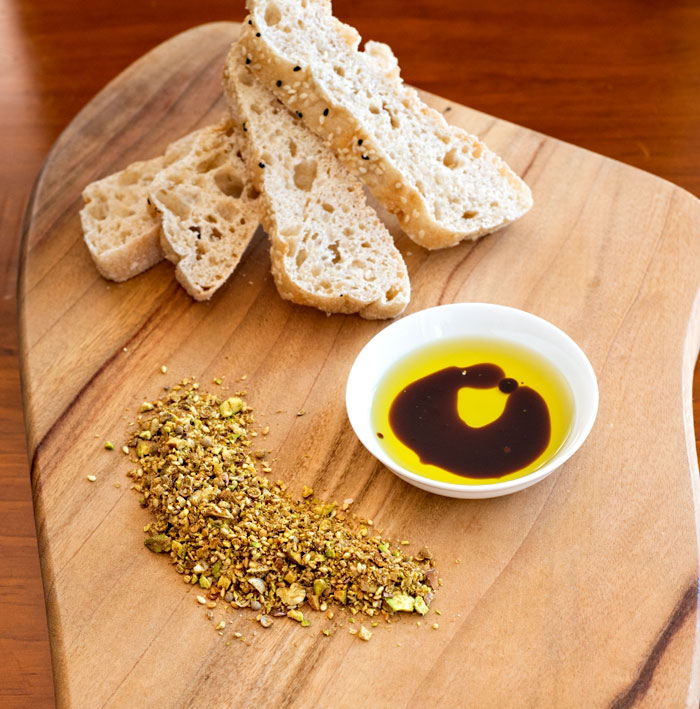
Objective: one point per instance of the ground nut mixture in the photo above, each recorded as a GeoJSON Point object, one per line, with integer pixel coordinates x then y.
{"type": "Point", "coordinates": [243, 539]}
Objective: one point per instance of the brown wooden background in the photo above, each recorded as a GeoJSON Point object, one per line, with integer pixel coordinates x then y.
{"type": "Point", "coordinates": [620, 77]}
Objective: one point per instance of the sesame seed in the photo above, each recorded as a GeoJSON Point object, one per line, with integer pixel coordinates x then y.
{"type": "Point", "coordinates": [247, 60]}
{"type": "Point", "coordinates": [300, 114]}
{"type": "Point", "coordinates": [359, 142]}
{"type": "Point", "coordinates": [257, 34]}
{"type": "Point", "coordinates": [279, 82]}
{"type": "Point", "coordinates": [261, 164]}
{"type": "Point", "coordinates": [321, 120]}
{"type": "Point", "coordinates": [250, 22]}
{"type": "Point", "coordinates": [92, 478]}
{"type": "Point", "coordinates": [365, 157]}
{"type": "Point", "coordinates": [297, 68]}
{"type": "Point", "coordinates": [325, 112]}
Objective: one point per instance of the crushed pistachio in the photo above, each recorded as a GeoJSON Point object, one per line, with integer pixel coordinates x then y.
{"type": "Point", "coordinates": [296, 615]}
{"type": "Point", "coordinates": [244, 539]}
{"type": "Point", "coordinates": [163, 369]}
{"type": "Point", "coordinates": [364, 634]}
{"type": "Point", "coordinates": [109, 445]}
{"type": "Point", "coordinates": [231, 406]}
{"type": "Point", "coordinates": [307, 491]}
{"type": "Point", "coordinates": [158, 543]}
{"type": "Point", "coordinates": [420, 606]}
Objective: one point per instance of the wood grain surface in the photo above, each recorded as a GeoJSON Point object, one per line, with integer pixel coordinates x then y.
{"type": "Point", "coordinates": [551, 595]}
{"type": "Point", "coordinates": [617, 78]}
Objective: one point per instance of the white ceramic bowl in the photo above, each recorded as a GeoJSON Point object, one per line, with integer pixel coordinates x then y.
{"type": "Point", "coordinates": [471, 320]}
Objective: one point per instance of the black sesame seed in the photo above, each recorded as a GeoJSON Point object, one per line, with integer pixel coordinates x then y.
{"type": "Point", "coordinates": [250, 22]}
{"type": "Point", "coordinates": [257, 34]}
{"type": "Point", "coordinates": [365, 157]}
{"type": "Point", "coordinates": [299, 114]}
{"type": "Point", "coordinates": [359, 142]}
{"type": "Point", "coordinates": [279, 82]}
{"type": "Point", "coordinates": [247, 60]}
{"type": "Point", "coordinates": [244, 126]}
{"type": "Point", "coordinates": [261, 164]}
{"type": "Point", "coordinates": [297, 68]}
{"type": "Point", "coordinates": [325, 113]}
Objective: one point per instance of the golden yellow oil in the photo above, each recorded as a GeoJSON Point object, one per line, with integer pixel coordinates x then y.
{"type": "Point", "coordinates": [476, 407]}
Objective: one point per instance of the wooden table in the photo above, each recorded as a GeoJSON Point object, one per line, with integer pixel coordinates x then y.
{"type": "Point", "coordinates": [612, 78]}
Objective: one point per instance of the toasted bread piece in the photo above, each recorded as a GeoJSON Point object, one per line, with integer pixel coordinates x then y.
{"type": "Point", "coordinates": [328, 247]}
{"type": "Point", "coordinates": [121, 227]}
{"type": "Point", "coordinates": [209, 210]}
{"type": "Point", "coordinates": [444, 184]}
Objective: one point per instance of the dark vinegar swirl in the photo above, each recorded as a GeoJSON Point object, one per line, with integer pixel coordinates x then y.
{"type": "Point", "coordinates": [424, 416]}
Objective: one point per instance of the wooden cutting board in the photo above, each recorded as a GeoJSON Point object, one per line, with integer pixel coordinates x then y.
{"type": "Point", "coordinates": [580, 591]}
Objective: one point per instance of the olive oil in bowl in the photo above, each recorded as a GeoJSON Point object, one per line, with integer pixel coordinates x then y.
{"type": "Point", "coordinates": [472, 411]}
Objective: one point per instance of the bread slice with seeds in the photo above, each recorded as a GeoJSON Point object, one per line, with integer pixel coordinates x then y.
{"type": "Point", "coordinates": [121, 228]}
{"type": "Point", "coordinates": [444, 184]}
{"type": "Point", "coordinates": [208, 208]}
{"type": "Point", "coordinates": [328, 247]}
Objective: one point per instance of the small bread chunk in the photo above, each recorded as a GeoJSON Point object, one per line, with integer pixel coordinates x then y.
{"type": "Point", "coordinates": [209, 211]}
{"type": "Point", "coordinates": [328, 247]}
{"type": "Point", "coordinates": [121, 227]}
{"type": "Point", "coordinates": [443, 184]}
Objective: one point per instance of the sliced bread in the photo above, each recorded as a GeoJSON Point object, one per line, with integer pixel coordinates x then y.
{"type": "Point", "coordinates": [121, 227]}
{"type": "Point", "coordinates": [328, 247]}
{"type": "Point", "coordinates": [209, 210]}
{"type": "Point", "coordinates": [444, 184]}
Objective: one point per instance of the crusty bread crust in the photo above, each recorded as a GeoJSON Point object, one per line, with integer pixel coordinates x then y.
{"type": "Point", "coordinates": [208, 208]}
{"type": "Point", "coordinates": [279, 44]}
{"type": "Point", "coordinates": [328, 248]}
